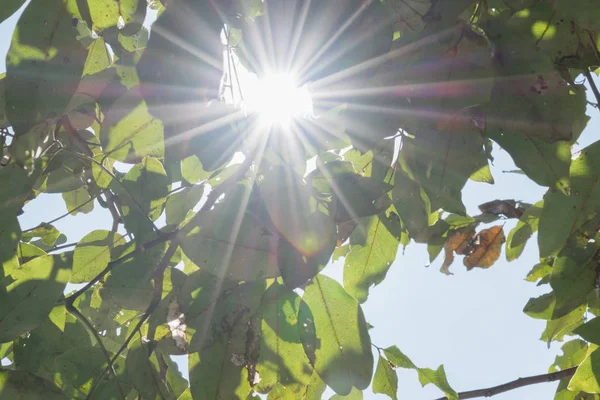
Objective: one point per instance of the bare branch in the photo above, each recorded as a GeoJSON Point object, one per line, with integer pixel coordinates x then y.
{"type": "Point", "coordinates": [530, 380]}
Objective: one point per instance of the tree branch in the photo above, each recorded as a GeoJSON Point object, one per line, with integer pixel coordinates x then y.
{"type": "Point", "coordinates": [159, 271]}
{"type": "Point", "coordinates": [530, 380]}
{"type": "Point", "coordinates": [77, 314]}
{"type": "Point", "coordinates": [590, 80]}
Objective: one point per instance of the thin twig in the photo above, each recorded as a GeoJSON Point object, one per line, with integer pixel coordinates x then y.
{"type": "Point", "coordinates": [237, 77]}
{"type": "Point", "coordinates": [229, 67]}
{"type": "Point", "coordinates": [62, 216]}
{"type": "Point", "coordinates": [156, 297]}
{"type": "Point", "coordinates": [62, 246]}
{"type": "Point", "coordinates": [77, 314]}
{"type": "Point", "coordinates": [530, 380]}
{"type": "Point", "coordinates": [590, 80]}
{"type": "Point", "coordinates": [110, 204]}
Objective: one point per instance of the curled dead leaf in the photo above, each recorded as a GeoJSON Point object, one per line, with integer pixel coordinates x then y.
{"type": "Point", "coordinates": [487, 248]}
{"type": "Point", "coordinates": [459, 241]}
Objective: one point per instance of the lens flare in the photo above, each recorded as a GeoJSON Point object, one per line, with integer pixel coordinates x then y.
{"type": "Point", "coordinates": [278, 100]}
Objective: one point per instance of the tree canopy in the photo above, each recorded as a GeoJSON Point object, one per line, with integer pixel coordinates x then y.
{"type": "Point", "coordinates": [222, 225]}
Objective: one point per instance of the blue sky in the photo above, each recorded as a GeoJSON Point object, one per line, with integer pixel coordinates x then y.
{"type": "Point", "coordinates": [472, 322]}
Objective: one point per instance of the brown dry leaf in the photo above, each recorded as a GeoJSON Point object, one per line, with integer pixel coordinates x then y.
{"type": "Point", "coordinates": [488, 244]}
{"type": "Point", "coordinates": [459, 242]}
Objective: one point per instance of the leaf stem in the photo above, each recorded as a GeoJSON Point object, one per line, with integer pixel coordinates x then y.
{"type": "Point", "coordinates": [517, 383]}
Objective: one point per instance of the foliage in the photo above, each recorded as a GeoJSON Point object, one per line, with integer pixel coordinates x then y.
{"type": "Point", "coordinates": [87, 86]}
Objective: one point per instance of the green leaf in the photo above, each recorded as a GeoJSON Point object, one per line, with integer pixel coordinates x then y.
{"type": "Point", "coordinates": [590, 331]}
{"type": "Point", "coordinates": [75, 200]}
{"type": "Point", "coordinates": [438, 378]}
{"type": "Point", "coordinates": [442, 164]}
{"type": "Point", "coordinates": [539, 105]}
{"type": "Point", "coordinates": [93, 253]}
{"type": "Point", "coordinates": [541, 307]}
{"type": "Point", "coordinates": [539, 271]}
{"type": "Point", "coordinates": [586, 377]}
{"type": "Point", "coordinates": [227, 239]}
{"type": "Point", "coordinates": [43, 65]}
{"type": "Point", "coordinates": [282, 359]}
{"type": "Point", "coordinates": [9, 7]}
{"type": "Point", "coordinates": [354, 394]}
{"type": "Point", "coordinates": [125, 16]}
{"type": "Point", "coordinates": [179, 204]}
{"type": "Point", "coordinates": [214, 376]}
{"type": "Point", "coordinates": [77, 371]}
{"type": "Point", "coordinates": [100, 175]}
{"type": "Point", "coordinates": [129, 132]}
{"type": "Point", "coordinates": [175, 379]}
{"type": "Point", "coordinates": [520, 234]}
{"type": "Point", "coordinates": [206, 300]}
{"type": "Point", "coordinates": [30, 293]}
{"type": "Point", "coordinates": [143, 373]}
{"type": "Point", "coordinates": [547, 164]}
{"type": "Point", "coordinates": [344, 358]}
{"type": "Point", "coordinates": [574, 351]}
{"type": "Point", "coordinates": [98, 58]}
{"type": "Point", "coordinates": [58, 333]}
{"type": "Point", "coordinates": [3, 120]}
{"type": "Point", "coordinates": [385, 380]}
{"type": "Point", "coordinates": [142, 196]}
{"type": "Point", "coordinates": [47, 232]}
{"type": "Point", "coordinates": [411, 202]}
{"type": "Point", "coordinates": [21, 385]}
{"type": "Point", "coordinates": [373, 247]}
{"type": "Point", "coordinates": [562, 215]}
{"type": "Point", "coordinates": [573, 277]}
{"type": "Point", "coordinates": [556, 329]}
{"type": "Point", "coordinates": [399, 359]}
{"type": "Point", "coordinates": [129, 286]}
{"type": "Point", "coordinates": [192, 171]}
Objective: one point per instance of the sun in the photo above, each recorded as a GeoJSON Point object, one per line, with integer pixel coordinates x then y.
{"type": "Point", "coordinates": [278, 100]}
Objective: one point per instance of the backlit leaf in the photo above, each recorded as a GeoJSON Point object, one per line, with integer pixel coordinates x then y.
{"type": "Point", "coordinates": [586, 377]}
{"type": "Point", "coordinates": [520, 234]}
{"type": "Point", "coordinates": [21, 385]}
{"type": "Point", "coordinates": [30, 294]}
{"type": "Point", "coordinates": [344, 358]}
{"type": "Point", "coordinates": [43, 65]}
{"type": "Point", "coordinates": [373, 247]}
{"type": "Point", "coordinates": [93, 253]}
{"type": "Point", "coordinates": [563, 215]}
{"type": "Point", "coordinates": [385, 380]}
{"type": "Point", "coordinates": [282, 359]}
